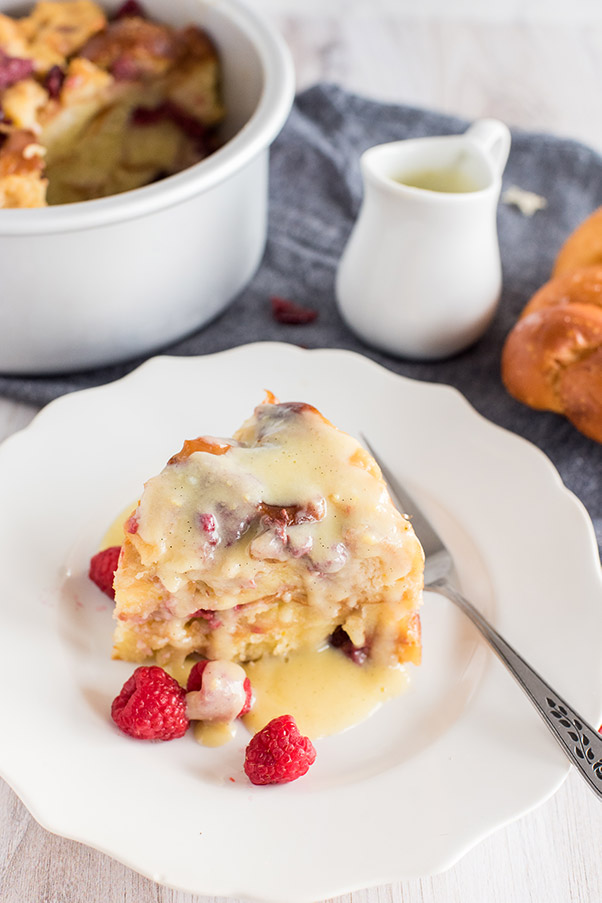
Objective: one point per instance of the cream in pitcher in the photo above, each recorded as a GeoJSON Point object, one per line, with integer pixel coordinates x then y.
{"type": "Point", "coordinates": [421, 274]}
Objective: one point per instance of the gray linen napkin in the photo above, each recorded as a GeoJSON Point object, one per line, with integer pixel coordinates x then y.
{"type": "Point", "coordinates": [315, 194]}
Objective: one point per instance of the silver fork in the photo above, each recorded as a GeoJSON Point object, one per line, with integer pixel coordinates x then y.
{"type": "Point", "coordinates": [579, 740]}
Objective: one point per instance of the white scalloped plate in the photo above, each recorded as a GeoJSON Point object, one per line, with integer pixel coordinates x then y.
{"type": "Point", "coordinates": [404, 794]}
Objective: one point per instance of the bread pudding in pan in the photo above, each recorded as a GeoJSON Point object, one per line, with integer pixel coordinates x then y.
{"type": "Point", "coordinates": [91, 107]}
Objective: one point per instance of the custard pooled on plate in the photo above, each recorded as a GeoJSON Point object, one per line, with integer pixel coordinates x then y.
{"type": "Point", "coordinates": [266, 543]}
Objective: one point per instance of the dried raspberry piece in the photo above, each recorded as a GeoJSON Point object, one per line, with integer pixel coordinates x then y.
{"type": "Point", "coordinates": [131, 524]}
{"type": "Point", "coordinates": [292, 515]}
{"type": "Point", "coordinates": [125, 69]}
{"type": "Point", "coordinates": [192, 128]}
{"type": "Point", "coordinates": [53, 81]}
{"type": "Point", "coordinates": [130, 9]}
{"type": "Point", "coordinates": [208, 615]}
{"type": "Point", "coordinates": [13, 70]}
{"type": "Point", "coordinates": [340, 640]}
{"type": "Point", "coordinates": [102, 569]}
{"type": "Point", "coordinates": [195, 681]}
{"type": "Point", "coordinates": [208, 525]}
{"type": "Point", "coordinates": [288, 312]}
{"type": "Point", "coordinates": [151, 706]}
{"type": "Point", "coordinates": [278, 753]}
{"type": "Point", "coordinates": [149, 115]}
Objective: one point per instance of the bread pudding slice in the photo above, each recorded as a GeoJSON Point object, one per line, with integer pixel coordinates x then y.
{"type": "Point", "coordinates": [266, 543]}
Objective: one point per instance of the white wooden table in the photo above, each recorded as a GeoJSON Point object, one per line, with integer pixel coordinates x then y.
{"type": "Point", "coordinates": [541, 72]}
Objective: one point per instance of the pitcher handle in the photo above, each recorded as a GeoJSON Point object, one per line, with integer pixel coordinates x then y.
{"type": "Point", "coordinates": [493, 137]}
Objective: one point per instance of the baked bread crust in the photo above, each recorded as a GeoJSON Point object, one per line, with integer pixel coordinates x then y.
{"type": "Point", "coordinates": [552, 358]}
{"type": "Point", "coordinates": [583, 247]}
{"type": "Point", "coordinates": [582, 286]}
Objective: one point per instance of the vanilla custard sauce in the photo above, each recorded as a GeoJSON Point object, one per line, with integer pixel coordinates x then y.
{"type": "Point", "coordinates": [449, 180]}
{"type": "Point", "coordinates": [214, 733]}
{"type": "Point", "coordinates": [114, 535]}
{"type": "Point", "coordinates": [322, 689]}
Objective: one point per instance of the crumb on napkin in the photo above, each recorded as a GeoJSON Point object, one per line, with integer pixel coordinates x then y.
{"type": "Point", "coordinates": [527, 201]}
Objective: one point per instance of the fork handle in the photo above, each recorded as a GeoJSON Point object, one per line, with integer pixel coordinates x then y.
{"type": "Point", "coordinates": [580, 741]}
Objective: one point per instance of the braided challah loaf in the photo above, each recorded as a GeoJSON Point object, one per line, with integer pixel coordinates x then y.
{"type": "Point", "coordinates": [552, 359]}
{"type": "Point", "coordinates": [583, 248]}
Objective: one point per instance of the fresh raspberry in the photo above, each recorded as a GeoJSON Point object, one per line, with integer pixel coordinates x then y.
{"type": "Point", "coordinates": [102, 569]}
{"type": "Point", "coordinates": [278, 753]}
{"type": "Point", "coordinates": [151, 706]}
{"type": "Point", "coordinates": [195, 678]}
{"type": "Point", "coordinates": [195, 681]}
{"type": "Point", "coordinates": [249, 700]}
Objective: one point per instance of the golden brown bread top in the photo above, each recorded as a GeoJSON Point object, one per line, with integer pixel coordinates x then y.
{"type": "Point", "coordinates": [583, 247]}
{"type": "Point", "coordinates": [132, 48]}
{"type": "Point", "coordinates": [582, 286]}
{"type": "Point", "coordinates": [552, 358]}
{"type": "Point", "coordinates": [20, 155]}
{"type": "Point", "coordinates": [54, 30]}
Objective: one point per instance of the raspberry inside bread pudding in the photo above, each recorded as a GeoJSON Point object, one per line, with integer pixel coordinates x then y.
{"type": "Point", "coordinates": [91, 107]}
{"type": "Point", "coordinates": [274, 541]}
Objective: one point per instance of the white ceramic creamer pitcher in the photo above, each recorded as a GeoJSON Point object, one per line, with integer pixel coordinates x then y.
{"type": "Point", "coordinates": [421, 274]}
